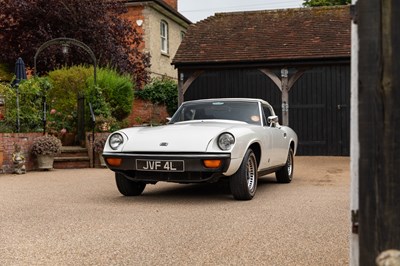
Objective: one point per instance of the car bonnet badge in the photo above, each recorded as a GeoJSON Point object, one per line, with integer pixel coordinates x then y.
{"type": "Point", "coordinates": [164, 144]}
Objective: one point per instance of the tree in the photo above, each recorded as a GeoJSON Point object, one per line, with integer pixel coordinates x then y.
{"type": "Point", "coordinates": [312, 3]}
{"type": "Point", "coordinates": [26, 24]}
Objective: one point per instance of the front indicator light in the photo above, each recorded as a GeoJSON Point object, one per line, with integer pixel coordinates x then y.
{"type": "Point", "coordinates": [212, 163]}
{"type": "Point", "coordinates": [114, 161]}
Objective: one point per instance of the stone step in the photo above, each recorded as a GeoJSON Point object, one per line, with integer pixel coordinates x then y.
{"type": "Point", "coordinates": [72, 157]}
{"type": "Point", "coordinates": [71, 164]}
{"type": "Point", "coordinates": [67, 149]}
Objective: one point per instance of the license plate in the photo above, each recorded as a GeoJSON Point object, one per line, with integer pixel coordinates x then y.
{"type": "Point", "coordinates": [160, 165]}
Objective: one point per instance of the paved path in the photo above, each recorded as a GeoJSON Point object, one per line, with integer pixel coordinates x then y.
{"type": "Point", "coordinates": [77, 217]}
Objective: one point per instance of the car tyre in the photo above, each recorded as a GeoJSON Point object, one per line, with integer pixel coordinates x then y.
{"type": "Point", "coordinates": [128, 187]}
{"type": "Point", "coordinates": [243, 183]}
{"type": "Point", "coordinates": [285, 174]}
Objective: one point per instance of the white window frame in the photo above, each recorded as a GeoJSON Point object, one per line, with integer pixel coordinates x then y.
{"type": "Point", "coordinates": [164, 37]}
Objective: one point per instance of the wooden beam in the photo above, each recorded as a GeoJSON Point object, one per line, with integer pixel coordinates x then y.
{"type": "Point", "coordinates": [295, 77]}
{"type": "Point", "coordinates": [284, 84]}
{"type": "Point", "coordinates": [273, 77]}
{"type": "Point", "coordinates": [379, 128]}
{"type": "Point", "coordinates": [354, 145]}
{"type": "Point", "coordinates": [183, 86]}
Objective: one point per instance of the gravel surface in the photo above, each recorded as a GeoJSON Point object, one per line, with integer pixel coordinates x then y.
{"type": "Point", "coordinates": [77, 217]}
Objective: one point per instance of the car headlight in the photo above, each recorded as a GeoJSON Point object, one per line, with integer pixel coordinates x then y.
{"type": "Point", "coordinates": [225, 141]}
{"type": "Point", "coordinates": [115, 141]}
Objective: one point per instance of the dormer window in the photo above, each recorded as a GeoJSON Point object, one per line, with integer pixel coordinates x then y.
{"type": "Point", "coordinates": [164, 37]}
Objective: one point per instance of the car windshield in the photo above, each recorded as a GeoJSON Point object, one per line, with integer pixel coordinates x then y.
{"type": "Point", "coordinates": [228, 110]}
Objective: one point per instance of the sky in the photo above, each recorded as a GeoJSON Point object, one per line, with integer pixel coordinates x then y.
{"type": "Point", "coordinates": [196, 10]}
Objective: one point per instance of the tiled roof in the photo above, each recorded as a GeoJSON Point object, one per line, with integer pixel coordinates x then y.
{"type": "Point", "coordinates": [272, 35]}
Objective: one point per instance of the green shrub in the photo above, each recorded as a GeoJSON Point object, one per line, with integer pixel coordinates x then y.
{"type": "Point", "coordinates": [161, 91]}
{"type": "Point", "coordinates": [116, 89]}
{"type": "Point", "coordinates": [68, 84]}
{"type": "Point", "coordinates": [30, 105]}
{"type": "Point", "coordinates": [111, 97]}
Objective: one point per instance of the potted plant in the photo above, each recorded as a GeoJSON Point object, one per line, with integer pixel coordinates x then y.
{"type": "Point", "coordinates": [98, 147]}
{"type": "Point", "coordinates": [45, 148]}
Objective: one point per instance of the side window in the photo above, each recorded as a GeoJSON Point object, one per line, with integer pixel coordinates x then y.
{"type": "Point", "coordinates": [164, 37]}
{"type": "Point", "coordinates": [267, 112]}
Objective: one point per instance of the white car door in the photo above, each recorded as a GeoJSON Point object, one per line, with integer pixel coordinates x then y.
{"type": "Point", "coordinates": [278, 138]}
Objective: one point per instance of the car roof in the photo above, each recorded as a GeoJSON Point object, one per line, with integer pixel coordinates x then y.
{"type": "Point", "coordinates": [228, 100]}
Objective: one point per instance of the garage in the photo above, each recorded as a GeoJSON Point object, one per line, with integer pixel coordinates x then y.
{"type": "Point", "coordinates": [305, 76]}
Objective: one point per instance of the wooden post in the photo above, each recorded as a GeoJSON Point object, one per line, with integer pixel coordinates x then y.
{"type": "Point", "coordinates": [355, 145]}
{"type": "Point", "coordinates": [284, 84]}
{"type": "Point", "coordinates": [180, 87]}
{"type": "Point", "coordinates": [285, 96]}
{"type": "Point", "coordinates": [184, 85]}
{"type": "Point", "coordinates": [379, 128]}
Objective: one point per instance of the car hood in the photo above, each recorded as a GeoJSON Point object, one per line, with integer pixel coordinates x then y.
{"type": "Point", "coordinates": [193, 136]}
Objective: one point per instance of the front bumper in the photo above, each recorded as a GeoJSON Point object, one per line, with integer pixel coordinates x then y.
{"type": "Point", "coordinates": [194, 169]}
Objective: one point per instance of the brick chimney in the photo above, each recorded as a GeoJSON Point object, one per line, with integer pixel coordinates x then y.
{"type": "Point", "coordinates": [172, 3]}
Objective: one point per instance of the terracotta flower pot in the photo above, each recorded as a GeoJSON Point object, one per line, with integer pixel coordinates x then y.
{"type": "Point", "coordinates": [45, 161]}
{"type": "Point", "coordinates": [68, 139]}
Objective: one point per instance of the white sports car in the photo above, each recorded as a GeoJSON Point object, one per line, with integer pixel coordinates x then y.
{"type": "Point", "coordinates": [204, 141]}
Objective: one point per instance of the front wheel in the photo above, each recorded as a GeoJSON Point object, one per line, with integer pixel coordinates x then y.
{"type": "Point", "coordinates": [244, 182]}
{"type": "Point", "coordinates": [285, 174]}
{"type": "Point", "coordinates": [128, 187]}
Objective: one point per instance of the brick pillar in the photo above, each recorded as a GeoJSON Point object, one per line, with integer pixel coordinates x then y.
{"type": "Point", "coordinates": [172, 3]}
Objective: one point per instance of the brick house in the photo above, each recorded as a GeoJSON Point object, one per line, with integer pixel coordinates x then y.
{"type": "Point", "coordinates": [296, 59]}
{"type": "Point", "coordinates": [163, 28]}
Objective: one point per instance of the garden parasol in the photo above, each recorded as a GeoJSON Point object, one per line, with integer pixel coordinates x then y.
{"type": "Point", "coordinates": [20, 74]}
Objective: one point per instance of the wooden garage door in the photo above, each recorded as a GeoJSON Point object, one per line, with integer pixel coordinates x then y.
{"type": "Point", "coordinates": [319, 109]}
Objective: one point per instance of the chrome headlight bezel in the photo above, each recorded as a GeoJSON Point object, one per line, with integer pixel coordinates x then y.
{"type": "Point", "coordinates": [225, 141]}
{"type": "Point", "coordinates": [115, 141]}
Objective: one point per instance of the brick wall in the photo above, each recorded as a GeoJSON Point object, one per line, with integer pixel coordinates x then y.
{"type": "Point", "coordinates": [24, 140]}
{"type": "Point", "coordinates": [135, 16]}
{"type": "Point", "coordinates": [144, 112]}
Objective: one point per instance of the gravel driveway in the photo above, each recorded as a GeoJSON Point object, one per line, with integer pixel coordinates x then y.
{"type": "Point", "coordinates": [77, 217]}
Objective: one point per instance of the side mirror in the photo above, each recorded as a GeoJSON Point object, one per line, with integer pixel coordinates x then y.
{"type": "Point", "coordinates": [273, 120]}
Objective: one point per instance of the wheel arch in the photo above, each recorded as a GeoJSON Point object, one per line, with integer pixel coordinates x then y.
{"type": "Point", "coordinates": [256, 148]}
{"type": "Point", "coordinates": [293, 147]}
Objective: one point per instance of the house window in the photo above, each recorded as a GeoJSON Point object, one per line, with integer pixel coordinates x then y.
{"type": "Point", "coordinates": [183, 35]}
{"type": "Point", "coordinates": [164, 37]}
